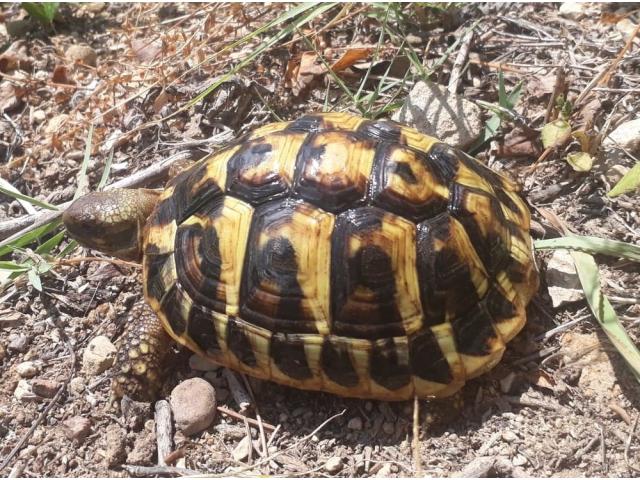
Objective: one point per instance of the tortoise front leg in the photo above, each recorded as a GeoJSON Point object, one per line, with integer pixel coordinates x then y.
{"type": "Point", "coordinates": [143, 352]}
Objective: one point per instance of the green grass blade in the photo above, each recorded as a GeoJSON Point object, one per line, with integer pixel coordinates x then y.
{"type": "Point", "coordinates": [50, 244]}
{"type": "Point", "coordinates": [13, 267]}
{"type": "Point", "coordinates": [44, 12]}
{"type": "Point", "coordinates": [316, 9]}
{"type": "Point", "coordinates": [628, 183]}
{"type": "Point", "coordinates": [603, 311]}
{"type": "Point", "coordinates": [29, 237]}
{"type": "Point", "coordinates": [592, 245]}
{"type": "Point", "coordinates": [26, 198]}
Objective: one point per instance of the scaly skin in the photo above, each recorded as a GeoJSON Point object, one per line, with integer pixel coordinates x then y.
{"type": "Point", "coordinates": [142, 356]}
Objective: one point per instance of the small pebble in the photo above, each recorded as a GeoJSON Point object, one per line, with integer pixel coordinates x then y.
{"type": "Point", "coordinates": [519, 460]}
{"type": "Point", "coordinates": [26, 369]}
{"type": "Point", "coordinates": [20, 344]}
{"type": "Point", "coordinates": [385, 471]}
{"type": "Point", "coordinates": [193, 403]}
{"type": "Point", "coordinates": [333, 465]}
{"type": "Point", "coordinates": [115, 451]}
{"type": "Point", "coordinates": [83, 54]}
{"type": "Point", "coordinates": [509, 436]}
{"type": "Point", "coordinates": [204, 364]}
{"type": "Point", "coordinates": [23, 390]}
{"type": "Point", "coordinates": [355, 423]}
{"type": "Point", "coordinates": [98, 356]}
{"type": "Point", "coordinates": [45, 388]}
{"type": "Point", "coordinates": [77, 428]}
{"type": "Point", "coordinates": [38, 116]}
{"type": "Point", "coordinates": [76, 385]}
{"type": "Point", "coordinates": [143, 450]}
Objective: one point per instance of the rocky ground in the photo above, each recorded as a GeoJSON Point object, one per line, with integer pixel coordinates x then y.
{"type": "Point", "coordinates": [562, 402]}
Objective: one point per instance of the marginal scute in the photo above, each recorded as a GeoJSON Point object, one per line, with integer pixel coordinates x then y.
{"type": "Point", "coordinates": [335, 253]}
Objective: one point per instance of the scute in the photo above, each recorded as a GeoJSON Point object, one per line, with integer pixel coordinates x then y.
{"type": "Point", "coordinates": [358, 257]}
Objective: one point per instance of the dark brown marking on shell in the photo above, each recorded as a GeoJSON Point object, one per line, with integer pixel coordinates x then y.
{"type": "Point", "coordinates": [386, 196]}
{"type": "Point", "coordinates": [507, 201]}
{"type": "Point", "coordinates": [288, 354]}
{"type": "Point", "coordinates": [426, 358]}
{"type": "Point", "coordinates": [196, 190]}
{"type": "Point", "coordinates": [498, 306]}
{"type": "Point", "coordinates": [201, 328]}
{"type": "Point", "coordinates": [270, 294]}
{"type": "Point", "coordinates": [446, 285]}
{"type": "Point", "coordinates": [482, 170]}
{"type": "Point", "coordinates": [443, 161]}
{"type": "Point", "coordinates": [369, 269]}
{"type": "Point", "coordinates": [330, 190]}
{"type": "Point", "coordinates": [385, 367]}
{"type": "Point", "coordinates": [336, 362]}
{"type": "Point", "coordinates": [171, 307]}
{"type": "Point", "coordinates": [258, 189]}
{"type": "Point", "coordinates": [307, 124]}
{"type": "Point", "coordinates": [155, 284]}
{"type": "Point", "coordinates": [381, 131]}
{"type": "Point", "coordinates": [238, 343]}
{"type": "Point", "coordinates": [473, 332]}
{"type": "Point", "coordinates": [198, 262]}
{"type": "Point", "coordinates": [493, 249]}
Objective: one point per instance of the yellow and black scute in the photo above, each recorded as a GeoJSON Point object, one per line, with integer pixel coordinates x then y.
{"type": "Point", "coordinates": [340, 254]}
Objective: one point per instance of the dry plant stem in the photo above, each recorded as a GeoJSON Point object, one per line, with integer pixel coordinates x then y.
{"type": "Point", "coordinates": [627, 446]}
{"type": "Point", "coordinates": [164, 434]}
{"type": "Point", "coordinates": [417, 465]}
{"type": "Point", "coordinates": [616, 61]}
{"type": "Point", "coordinates": [275, 455]}
{"type": "Point", "coordinates": [238, 392]}
{"type": "Point", "coordinates": [240, 417]}
{"type": "Point", "coordinates": [263, 439]}
{"type": "Point", "coordinates": [621, 412]}
{"type": "Point", "coordinates": [558, 87]}
{"type": "Point", "coordinates": [140, 471]}
{"type": "Point", "coordinates": [143, 177]}
{"type": "Point", "coordinates": [459, 62]}
{"type": "Point", "coordinates": [47, 409]}
{"type": "Point", "coordinates": [113, 261]}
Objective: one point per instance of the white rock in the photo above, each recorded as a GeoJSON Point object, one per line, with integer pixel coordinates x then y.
{"type": "Point", "coordinates": [355, 424]}
{"type": "Point", "coordinates": [193, 403]}
{"type": "Point", "coordinates": [76, 385]}
{"type": "Point", "coordinates": [26, 369]}
{"type": "Point", "coordinates": [573, 10]}
{"type": "Point", "coordinates": [432, 110]}
{"type": "Point", "coordinates": [333, 465]}
{"type": "Point", "coordinates": [509, 436]}
{"type": "Point", "coordinates": [562, 279]}
{"type": "Point", "coordinates": [242, 450]}
{"type": "Point", "coordinates": [385, 471]}
{"type": "Point", "coordinates": [23, 391]}
{"type": "Point", "coordinates": [626, 135]}
{"type": "Point", "coordinates": [98, 356]}
{"type": "Point", "coordinates": [204, 364]}
{"type": "Point", "coordinates": [519, 460]}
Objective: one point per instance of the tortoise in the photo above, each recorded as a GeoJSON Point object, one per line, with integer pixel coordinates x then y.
{"type": "Point", "coordinates": [333, 253]}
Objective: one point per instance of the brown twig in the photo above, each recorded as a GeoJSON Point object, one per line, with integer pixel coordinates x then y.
{"type": "Point", "coordinates": [140, 471]}
{"type": "Point", "coordinates": [459, 62]}
{"type": "Point", "coordinates": [114, 261]}
{"type": "Point", "coordinates": [417, 464]}
{"type": "Point", "coordinates": [627, 445]}
{"type": "Point", "coordinates": [558, 87]}
{"type": "Point", "coordinates": [164, 434]}
{"type": "Point", "coordinates": [240, 417]}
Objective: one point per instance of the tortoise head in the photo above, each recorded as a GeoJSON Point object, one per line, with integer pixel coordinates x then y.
{"type": "Point", "coordinates": [111, 221]}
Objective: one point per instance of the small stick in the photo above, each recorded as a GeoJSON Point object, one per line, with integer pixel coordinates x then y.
{"type": "Point", "coordinates": [240, 395]}
{"type": "Point", "coordinates": [603, 450]}
{"type": "Point", "coordinates": [558, 87]}
{"type": "Point", "coordinates": [459, 62]}
{"type": "Point", "coordinates": [263, 439]}
{"type": "Point", "coordinates": [140, 471]}
{"type": "Point", "coordinates": [621, 412]}
{"type": "Point", "coordinates": [627, 446]}
{"type": "Point", "coordinates": [417, 464]}
{"type": "Point", "coordinates": [164, 431]}
{"type": "Point", "coordinates": [238, 416]}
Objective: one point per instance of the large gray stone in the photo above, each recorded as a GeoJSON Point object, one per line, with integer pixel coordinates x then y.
{"type": "Point", "coordinates": [432, 110]}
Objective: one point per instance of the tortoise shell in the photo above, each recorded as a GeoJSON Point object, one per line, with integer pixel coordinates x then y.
{"type": "Point", "coordinates": [340, 254]}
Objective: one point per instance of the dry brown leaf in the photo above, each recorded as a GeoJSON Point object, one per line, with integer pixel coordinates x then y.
{"type": "Point", "coordinates": [61, 75]}
{"type": "Point", "coordinates": [517, 144]}
{"type": "Point", "coordinates": [301, 76]}
{"type": "Point", "coordinates": [350, 58]}
{"type": "Point", "coordinates": [541, 379]}
{"type": "Point", "coordinates": [146, 50]}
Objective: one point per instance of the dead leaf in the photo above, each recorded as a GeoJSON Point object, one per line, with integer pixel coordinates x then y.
{"type": "Point", "coordinates": [517, 144]}
{"type": "Point", "coordinates": [580, 161]}
{"type": "Point", "coordinates": [350, 58]}
{"type": "Point", "coordinates": [555, 133]}
{"type": "Point", "coordinates": [541, 379]}
{"type": "Point", "coordinates": [161, 100]}
{"type": "Point", "coordinates": [146, 50]}
{"type": "Point", "coordinates": [611, 18]}
{"type": "Point", "coordinates": [61, 75]}
{"type": "Point", "coordinates": [15, 58]}
{"type": "Point", "coordinates": [583, 118]}
{"type": "Point", "coordinates": [302, 74]}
